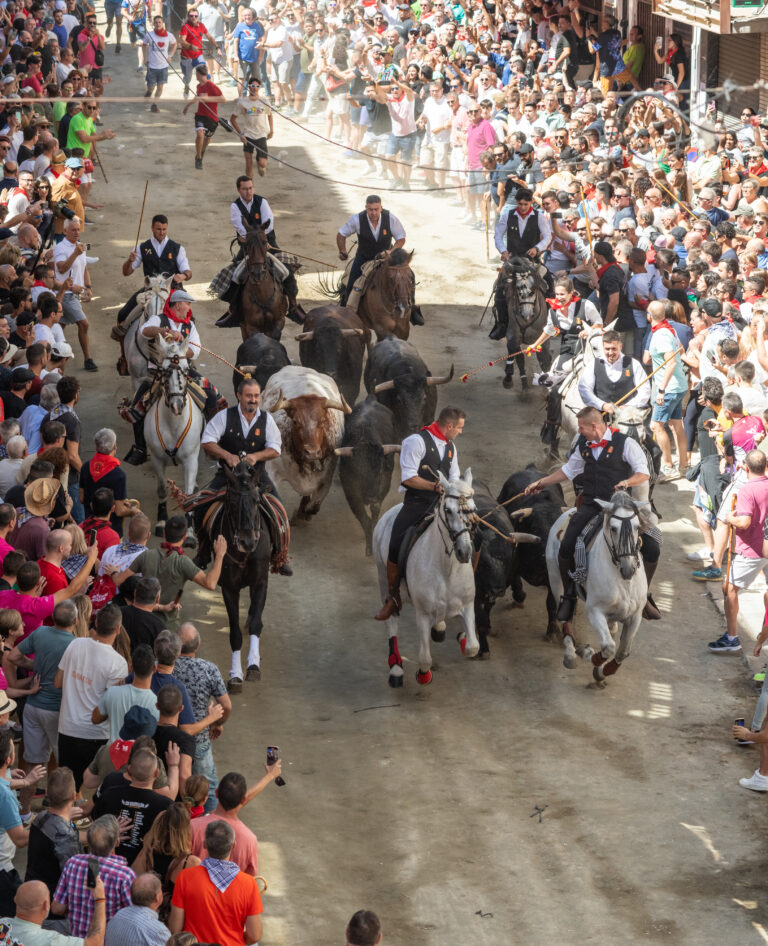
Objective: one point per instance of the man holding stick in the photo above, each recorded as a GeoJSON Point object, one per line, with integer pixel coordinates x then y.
{"type": "Point", "coordinates": [669, 386]}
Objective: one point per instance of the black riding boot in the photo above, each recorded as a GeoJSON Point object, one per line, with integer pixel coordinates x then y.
{"type": "Point", "coordinates": [138, 452]}
{"type": "Point", "coordinates": [500, 318]}
{"type": "Point", "coordinates": [650, 611]}
{"type": "Point", "coordinates": [568, 601]}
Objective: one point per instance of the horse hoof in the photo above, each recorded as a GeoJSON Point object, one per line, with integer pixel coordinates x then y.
{"type": "Point", "coordinates": [396, 679]}
{"type": "Point", "coordinates": [252, 674]}
{"type": "Point", "coordinates": [524, 384]}
{"type": "Point", "coordinates": [482, 655]}
{"type": "Point", "coordinates": [190, 542]}
{"type": "Point", "coordinates": [597, 675]}
{"type": "Point", "coordinates": [569, 662]}
{"type": "Point", "coordinates": [160, 529]}
{"type": "Point", "coordinates": [234, 685]}
{"type": "Point", "coordinates": [470, 651]}
{"type": "Point", "coordinates": [438, 636]}
{"type": "Point", "coordinates": [424, 677]}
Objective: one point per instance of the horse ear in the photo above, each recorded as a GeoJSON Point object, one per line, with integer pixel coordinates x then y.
{"type": "Point", "coordinates": [229, 475]}
{"type": "Point", "coordinates": [603, 504]}
{"type": "Point", "coordinates": [442, 480]}
{"type": "Point", "coordinates": [264, 225]}
{"type": "Point", "coordinates": [468, 476]}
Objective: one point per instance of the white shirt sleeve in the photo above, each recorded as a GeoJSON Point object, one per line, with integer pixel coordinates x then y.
{"type": "Point", "coordinates": [267, 216]}
{"type": "Point", "coordinates": [182, 260]}
{"type": "Point", "coordinates": [194, 340]}
{"type": "Point", "coordinates": [272, 434]}
{"type": "Point", "coordinates": [500, 233]}
{"type": "Point", "coordinates": [351, 227]}
{"type": "Point", "coordinates": [398, 230]}
{"type": "Point", "coordinates": [545, 230]}
{"type": "Point", "coordinates": [412, 452]}
{"type": "Point", "coordinates": [214, 429]}
{"type": "Point", "coordinates": [642, 396]}
{"type": "Point", "coordinates": [573, 466]}
{"type": "Point", "coordinates": [454, 472]}
{"type": "Point", "coordinates": [587, 387]}
{"type": "Point", "coordinates": [235, 218]}
{"type": "Point", "coordinates": [634, 456]}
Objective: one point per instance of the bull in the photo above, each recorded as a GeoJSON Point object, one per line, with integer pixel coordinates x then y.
{"type": "Point", "coordinates": [540, 512]}
{"type": "Point", "coordinates": [309, 412]}
{"type": "Point", "coordinates": [260, 357]}
{"type": "Point", "coordinates": [397, 375]}
{"type": "Point", "coordinates": [333, 340]}
{"type": "Point", "coordinates": [367, 460]}
{"type": "Point", "coordinates": [499, 550]}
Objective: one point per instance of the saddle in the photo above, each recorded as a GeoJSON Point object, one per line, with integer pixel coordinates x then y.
{"type": "Point", "coordinates": [278, 524]}
{"type": "Point", "coordinates": [361, 283]}
{"type": "Point", "coordinates": [584, 543]}
{"type": "Point", "coordinates": [411, 537]}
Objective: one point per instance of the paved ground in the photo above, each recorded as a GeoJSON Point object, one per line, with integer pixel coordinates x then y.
{"type": "Point", "coordinates": [421, 803]}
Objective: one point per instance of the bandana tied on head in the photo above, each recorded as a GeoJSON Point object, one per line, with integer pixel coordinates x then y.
{"type": "Point", "coordinates": [169, 314]}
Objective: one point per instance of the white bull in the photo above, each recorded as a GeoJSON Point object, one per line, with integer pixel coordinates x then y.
{"type": "Point", "coordinates": [309, 412]}
{"type": "Point", "coordinates": [439, 576]}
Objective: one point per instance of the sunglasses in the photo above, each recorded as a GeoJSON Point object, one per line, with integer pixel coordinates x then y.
{"type": "Point", "coordinates": [473, 111]}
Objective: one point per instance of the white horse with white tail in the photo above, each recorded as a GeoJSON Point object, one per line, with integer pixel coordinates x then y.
{"type": "Point", "coordinates": [616, 586]}
{"type": "Point", "coordinates": [438, 575]}
{"type": "Point", "coordinates": [174, 424]}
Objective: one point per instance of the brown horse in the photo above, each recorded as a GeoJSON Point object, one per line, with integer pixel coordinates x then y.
{"type": "Point", "coordinates": [386, 303]}
{"type": "Point", "coordinates": [263, 302]}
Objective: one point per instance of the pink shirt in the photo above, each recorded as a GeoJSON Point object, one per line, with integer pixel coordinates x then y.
{"type": "Point", "coordinates": [402, 114]}
{"type": "Point", "coordinates": [5, 548]}
{"type": "Point", "coordinates": [245, 853]}
{"type": "Point", "coordinates": [33, 611]}
{"type": "Point", "coordinates": [752, 501]}
{"type": "Point", "coordinates": [88, 53]}
{"type": "Point", "coordinates": [480, 138]}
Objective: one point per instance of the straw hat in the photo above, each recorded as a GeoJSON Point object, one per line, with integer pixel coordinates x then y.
{"type": "Point", "coordinates": [40, 496]}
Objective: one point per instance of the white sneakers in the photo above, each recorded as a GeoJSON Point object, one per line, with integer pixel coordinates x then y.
{"type": "Point", "coordinates": [756, 782]}
{"type": "Point", "coordinates": [700, 555]}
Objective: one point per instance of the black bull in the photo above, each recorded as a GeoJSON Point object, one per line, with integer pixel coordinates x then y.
{"type": "Point", "coordinates": [521, 289]}
{"type": "Point", "coordinates": [503, 565]}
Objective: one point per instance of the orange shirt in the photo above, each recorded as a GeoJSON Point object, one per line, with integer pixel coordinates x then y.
{"type": "Point", "coordinates": [213, 916]}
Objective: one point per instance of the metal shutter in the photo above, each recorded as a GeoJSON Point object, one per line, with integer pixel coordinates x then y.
{"type": "Point", "coordinates": [739, 60]}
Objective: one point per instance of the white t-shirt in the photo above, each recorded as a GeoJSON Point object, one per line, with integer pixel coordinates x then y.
{"type": "Point", "coordinates": [53, 334]}
{"type": "Point", "coordinates": [438, 114]}
{"type": "Point", "coordinates": [252, 117]}
{"type": "Point", "coordinates": [284, 52]}
{"type": "Point", "coordinates": [89, 667]}
{"type": "Point", "coordinates": [61, 252]}
{"type": "Point", "coordinates": [158, 46]}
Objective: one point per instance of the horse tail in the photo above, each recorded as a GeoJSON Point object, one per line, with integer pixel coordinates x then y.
{"type": "Point", "coordinates": [328, 287]}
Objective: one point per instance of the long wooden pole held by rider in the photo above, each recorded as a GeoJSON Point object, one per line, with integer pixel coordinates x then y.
{"type": "Point", "coordinates": [586, 218]}
{"type": "Point", "coordinates": [141, 215]}
{"type": "Point", "coordinates": [648, 378]}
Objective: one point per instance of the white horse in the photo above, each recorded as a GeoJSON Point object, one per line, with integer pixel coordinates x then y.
{"type": "Point", "coordinates": [438, 575]}
{"type": "Point", "coordinates": [136, 348]}
{"type": "Point", "coordinates": [616, 587]}
{"type": "Point", "coordinates": [173, 425]}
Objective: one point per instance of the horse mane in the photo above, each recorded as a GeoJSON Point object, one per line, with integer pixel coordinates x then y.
{"type": "Point", "coordinates": [399, 257]}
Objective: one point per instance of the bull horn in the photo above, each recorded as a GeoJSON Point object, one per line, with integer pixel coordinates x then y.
{"type": "Point", "coordinates": [344, 451]}
{"type": "Point", "coordinates": [523, 538]}
{"type": "Point", "coordinates": [281, 405]}
{"type": "Point", "coordinates": [246, 369]}
{"type": "Point", "coordinates": [350, 331]}
{"type": "Point", "coordinates": [305, 336]}
{"type": "Point", "coordinates": [387, 448]}
{"type": "Point", "coordinates": [385, 386]}
{"type": "Point", "coordinates": [521, 513]}
{"type": "Point", "coordinates": [441, 380]}
{"type": "Point", "coordinates": [340, 405]}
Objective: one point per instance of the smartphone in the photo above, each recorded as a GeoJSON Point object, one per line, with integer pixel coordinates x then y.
{"type": "Point", "coordinates": [87, 246]}
{"type": "Point", "coordinates": [273, 754]}
{"type": "Point", "coordinates": [739, 722]}
{"type": "Point", "coordinates": [93, 872]}
{"type": "Point", "coordinates": [659, 41]}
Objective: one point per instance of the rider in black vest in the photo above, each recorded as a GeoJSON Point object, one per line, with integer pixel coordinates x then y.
{"type": "Point", "coordinates": [370, 245]}
{"type": "Point", "coordinates": [517, 244]}
{"type": "Point", "coordinates": [605, 460]}
{"type": "Point", "coordinates": [170, 261]}
{"type": "Point", "coordinates": [249, 211]}
{"type": "Point", "coordinates": [231, 445]}
{"type": "Point", "coordinates": [609, 391]}
{"type": "Point", "coordinates": [422, 490]}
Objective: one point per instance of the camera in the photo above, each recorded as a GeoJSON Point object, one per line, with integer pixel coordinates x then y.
{"type": "Point", "coordinates": [273, 754]}
{"type": "Point", "coordinates": [63, 210]}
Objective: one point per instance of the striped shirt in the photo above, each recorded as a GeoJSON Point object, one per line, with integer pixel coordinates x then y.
{"type": "Point", "coordinates": [136, 926]}
{"type": "Point", "coordinates": [72, 892]}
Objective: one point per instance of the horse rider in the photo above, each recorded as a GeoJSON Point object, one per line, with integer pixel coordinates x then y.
{"type": "Point", "coordinates": [176, 323]}
{"type": "Point", "coordinates": [243, 430]}
{"type": "Point", "coordinates": [249, 210]}
{"type": "Point", "coordinates": [422, 456]}
{"type": "Point", "coordinates": [520, 231]}
{"type": "Point", "coordinates": [611, 378]}
{"type": "Point", "coordinates": [378, 232]}
{"type": "Point", "coordinates": [159, 255]}
{"type": "Point", "coordinates": [606, 460]}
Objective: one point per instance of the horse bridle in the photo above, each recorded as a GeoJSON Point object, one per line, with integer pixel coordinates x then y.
{"type": "Point", "coordinates": [626, 547]}
{"type": "Point", "coordinates": [513, 290]}
{"type": "Point", "coordinates": [453, 535]}
{"type": "Point", "coordinates": [164, 374]}
{"type": "Point", "coordinates": [235, 517]}
{"type": "Point", "coordinates": [259, 270]}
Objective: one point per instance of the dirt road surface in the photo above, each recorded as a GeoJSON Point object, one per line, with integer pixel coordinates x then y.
{"type": "Point", "coordinates": [421, 803]}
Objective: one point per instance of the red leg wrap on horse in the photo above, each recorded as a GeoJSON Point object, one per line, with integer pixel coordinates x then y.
{"type": "Point", "coordinates": [424, 677]}
{"type": "Point", "coordinates": [610, 668]}
{"type": "Point", "coordinates": [463, 644]}
{"type": "Point", "coordinates": [598, 659]}
{"type": "Point", "coordinates": [394, 651]}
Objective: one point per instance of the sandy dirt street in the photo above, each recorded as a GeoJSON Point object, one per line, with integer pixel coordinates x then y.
{"type": "Point", "coordinates": [421, 803]}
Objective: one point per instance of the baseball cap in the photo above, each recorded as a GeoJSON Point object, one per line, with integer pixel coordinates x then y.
{"type": "Point", "coordinates": [668, 77]}
{"type": "Point", "coordinates": [25, 318]}
{"type": "Point", "coordinates": [7, 80]}
{"type": "Point", "coordinates": [22, 375]}
{"type": "Point", "coordinates": [61, 350]}
{"type": "Point", "coordinates": [711, 307]}
{"type": "Point", "coordinates": [74, 163]}
{"type": "Point", "coordinates": [5, 233]}
{"type": "Point", "coordinates": [526, 149]}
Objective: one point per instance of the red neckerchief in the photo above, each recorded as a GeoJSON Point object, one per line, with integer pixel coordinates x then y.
{"type": "Point", "coordinates": [436, 432]}
{"type": "Point", "coordinates": [525, 215]}
{"type": "Point", "coordinates": [760, 169]}
{"type": "Point", "coordinates": [196, 811]}
{"type": "Point", "coordinates": [101, 464]}
{"type": "Point", "coordinates": [662, 324]}
{"type": "Point", "coordinates": [172, 316]}
{"type": "Point", "coordinates": [670, 54]}
{"type": "Point", "coordinates": [555, 305]}
{"type": "Point", "coordinates": [750, 298]}
{"type": "Point", "coordinates": [55, 173]}
{"type": "Point", "coordinates": [161, 32]}
{"type": "Point", "coordinates": [735, 304]}
{"type": "Point", "coordinates": [120, 752]}
{"type": "Point", "coordinates": [604, 269]}
{"type": "Point", "coordinates": [39, 282]}
{"type": "Point", "coordinates": [170, 548]}
{"type": "Point", "coordinates": [594, 444]}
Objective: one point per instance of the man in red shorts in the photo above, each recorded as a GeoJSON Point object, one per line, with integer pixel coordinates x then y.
{"type": "Point", "coordinates": [207, 114]}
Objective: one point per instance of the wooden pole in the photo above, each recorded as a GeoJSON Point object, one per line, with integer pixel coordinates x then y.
{"type": "Point", "coordinates": [586, 218]}
{"type": "Point", "coordinates": [486, 215]}
{"type": "Point", "coordinates": [141, 215]}
{"type": "Point", "coordinates": [676, 199]}
{"type": "Point", "coordinates": [655, 370]}
{"type": "Point", "coordinates": [311, 260]}
{"type": "Point", "coordinates": [98, 161]}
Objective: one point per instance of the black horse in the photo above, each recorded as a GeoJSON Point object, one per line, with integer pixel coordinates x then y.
{"type": "Point", "coordinates": [243, 524]}
{"type": "Point", "coordinates": [521, 290]}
